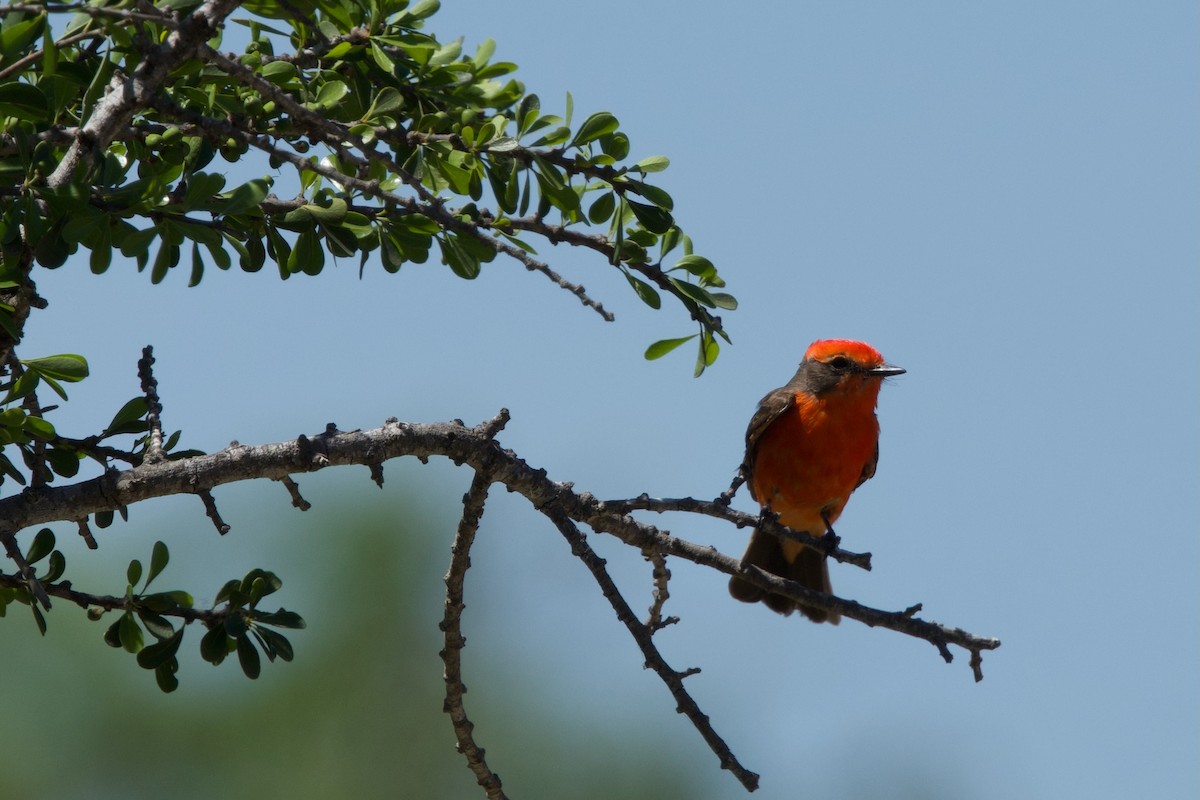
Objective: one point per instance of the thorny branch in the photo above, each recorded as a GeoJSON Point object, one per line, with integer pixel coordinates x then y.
{"type": "Point", "coordinates": [451, 626]}
{"type": "Point", "coordinates": [475, 447]}
{"type": "Point", "coordinates": [643, 635]}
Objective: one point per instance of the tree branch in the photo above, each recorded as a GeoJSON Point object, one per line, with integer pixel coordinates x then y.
{"type": "Point", "coordinates": [643, 635]}
{"type": "Point", "coordinates": [460, 444]}
{"type": "Point", "coordinates": [126, 96]}
{"type": "Point", "coordinates": [451, 626]}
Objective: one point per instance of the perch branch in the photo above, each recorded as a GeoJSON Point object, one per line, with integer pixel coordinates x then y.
{"type": "Point", "coordinates": [461, 445]}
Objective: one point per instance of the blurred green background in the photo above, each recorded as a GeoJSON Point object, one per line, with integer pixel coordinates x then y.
{"type": "Point", "coordinates": [358, 714]}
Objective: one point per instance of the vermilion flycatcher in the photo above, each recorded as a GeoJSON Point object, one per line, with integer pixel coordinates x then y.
{"type": "Point", "coordinates": [809, 445]}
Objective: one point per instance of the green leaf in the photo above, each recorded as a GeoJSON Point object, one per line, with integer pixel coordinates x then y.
{"type": "Point", "coordinates": [654, 194]}
{"type": "Point", "coordinates": [278, 72]}
{"type": "Point", "coordinates": [112, 634]}
{"type": "Point", "coordinates": [653, 164]}
{"type": "Point", "coordinates": [664, 346]}
{"type": "Point", "coordinates": [615, 145]}
{"type": "Point", "coordinates": [38, 428]}
{"type": "Point", "coordinates": [602, 210]}
{"type": "Point", "coordinates": [66, 367]}
{"type": "Point", "coordinates": [56, 386]}
{"type": "Point", "coordinates": [214, 645]}
{"type": "Point", "coordinates": [248, 657]}
{"type": "Point", "coordinates": [23, 385]}
{"type": "Point", "coordinates": [274, 644]}
{"type": "Point", "coordinates": [18, 36]}
{"type": "Point", "coordinates": [159, 557]}
{"type": "Point", "coordinates": [699, 266]}
{"type": "Point", "coordinates": [388, 101]}
{"type": "Point", "coordinates": [164, 676]}
{"type": "Point", "coordinates": [63, 462]}
{"type": "Point", "coordinates": [128, 419]}
{"type": "Point", "coordinates": [724, 300]}
{"type": "Point", "coordinates": [56, 567]}
{"type": "Point", "coordinates": [331, 94]}
{"type": "Point", "coordinates": [483, 52]}
{"type": "Point", "coordinates": [157, 625]}
{"type": "Point", "coordinates": [670, 240]}
{"type": "Point", "coordinates": [201, 188]}
{"type": "Point", "coordinates": [163, 602]}
{"type": "Point", "coordinates": [593, 128]}
{"type": "Point", "coordinates": [645, 291]}
{"type": "Point", "coordinates": [23, 101]}
{"type": "Point", "coordinates": [707, 354]}
{"type": "Point", "coordinates": [235, 626]}
{"type": "Point", "coordinates": [462, 262]}
{"type": "Point", "coordinates": [243, 198]}
{"type": "Point", "coordinates": [423, 9]}
{"type": "Point", "coordinates": [42, 544]}
{"type": "Point", "coordinates": [384, 62]}
{"type": "Point", "coordinates": [161, 651]}
{"type": "Point", "coordinates": [308, 256]}
{"type": "Point", "coordinates": [693, 292]}
{"type": "Point", "coordinates": [197, 266]}
{"type": "Point", "coordinates": [527, 113]}
{"type": "Point", "coordinates": [653, 218]}
{"type": "Point", "coordinates": [130, 633]}
{"type": "Point", "coordinates": [281, 619]}
{"type": "Point", "coordinates": [134, 573]}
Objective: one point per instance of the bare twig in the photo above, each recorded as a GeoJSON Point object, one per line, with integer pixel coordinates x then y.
{"type": "Point", "coordinates": [85, 533]}
{"type": "Point", "coordinates": [154, 445]}
{"type": "Point", "coordinates": [294, 490]}
{"type": "Point", "coordinates": [715, 508]}
{"type": "Point", "coordinates": [210, 508]}
{"type": "Point", "coordinates": [662, 576]}
{"type": "Point", "coordinates": [460, 562]}
{"type": "Point", "coordinates": [643, 635]}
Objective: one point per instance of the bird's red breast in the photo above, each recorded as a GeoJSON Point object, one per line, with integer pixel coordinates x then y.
{"type": "Point", "coordinates": [813, 456]}
{"type": "Point", "coordinates": [809, 445]}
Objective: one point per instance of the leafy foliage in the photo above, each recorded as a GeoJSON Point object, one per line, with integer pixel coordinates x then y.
{"type": "Point", "coordinates": [390, 144]}
{"type": "Point", "coordinates": [356, 135]}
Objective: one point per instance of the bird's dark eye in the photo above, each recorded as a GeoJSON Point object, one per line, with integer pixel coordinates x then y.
{"type": "Point", "coordinates": [839, 362]}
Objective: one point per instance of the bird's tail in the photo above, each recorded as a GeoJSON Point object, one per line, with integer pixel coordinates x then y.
{"type": "Point", "coordinates": [809, 569]}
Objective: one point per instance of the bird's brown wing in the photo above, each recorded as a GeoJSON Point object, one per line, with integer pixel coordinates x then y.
{"type": "Point", "coordinates": [868, 471]}
{"type": "Point", "coordinates": [770, 408]}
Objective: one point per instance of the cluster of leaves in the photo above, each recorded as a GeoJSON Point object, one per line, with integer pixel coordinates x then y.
{"type": "Point", "coordinates": [27, 429]}
{"type": "Point", "coordinates": [43, 452]}
{"type": "Point", "coordinates": [41, 548]}
{"type": "Point", "coordinates": [235, 624]}
{"type": "Point", "coordinates": [382, 129]}
{"type": "Point", "coordinates": [235, 627]}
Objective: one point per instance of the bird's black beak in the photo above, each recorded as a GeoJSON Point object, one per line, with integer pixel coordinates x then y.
{"type": "Point", "coordinates": [886, 371]}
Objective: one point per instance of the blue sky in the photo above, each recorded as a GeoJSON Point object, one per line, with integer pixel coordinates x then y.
{"type": "Point", "coordinates": [1002, 198]}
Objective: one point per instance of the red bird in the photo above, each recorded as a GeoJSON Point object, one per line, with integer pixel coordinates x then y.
{"type": "Point", "coordinates": [810, 444]}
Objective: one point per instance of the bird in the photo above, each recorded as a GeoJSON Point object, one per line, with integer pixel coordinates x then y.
{"type": "Point", "coordinates": [809, 445]}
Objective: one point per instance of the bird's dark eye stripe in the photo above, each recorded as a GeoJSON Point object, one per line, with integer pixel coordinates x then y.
{"type": "Point", "coordinates": [839, 362]}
